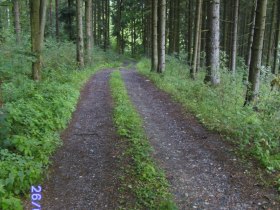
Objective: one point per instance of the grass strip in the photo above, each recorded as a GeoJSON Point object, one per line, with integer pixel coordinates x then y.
{"type": "Point", "coordinates": [142, 177]}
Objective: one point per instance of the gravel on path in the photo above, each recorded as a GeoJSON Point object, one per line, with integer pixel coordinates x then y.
{"type": "Point", "coordinates": [203, 171]}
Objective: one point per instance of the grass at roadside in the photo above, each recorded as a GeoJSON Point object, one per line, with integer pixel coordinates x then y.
{"type": "Point", "coordinates": [221, 109]}
{"type": "Point", "coordinates": [142, 177]}
{"type": "Point", "coordinates": [34, 113]}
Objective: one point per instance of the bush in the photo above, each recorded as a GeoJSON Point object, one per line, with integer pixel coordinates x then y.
{"type": "Point", "coordinates": [35, 112]}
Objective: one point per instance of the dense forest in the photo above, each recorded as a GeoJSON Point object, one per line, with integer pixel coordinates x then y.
{"type": "Point", "coordinates": [218, 60]}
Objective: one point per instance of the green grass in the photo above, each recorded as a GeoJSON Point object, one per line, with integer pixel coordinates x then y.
{"type": "Point", "coordinates": [146, 181]}
{"type": "Point", "coordinates": [34, 113]}
{"type": "Point", "coordinates": [221, 109]}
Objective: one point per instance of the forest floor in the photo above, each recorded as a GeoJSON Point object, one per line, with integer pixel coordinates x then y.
{"type": "Point", "coordinates": [202, 168]}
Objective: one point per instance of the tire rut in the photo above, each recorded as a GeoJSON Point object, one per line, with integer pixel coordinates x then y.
{"type": "Point", "coordinates": [85, 170]}
{"type": "Point", "coordinates": [203, 171]}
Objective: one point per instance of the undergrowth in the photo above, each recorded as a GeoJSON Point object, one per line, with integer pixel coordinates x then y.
{"type": "Point", "coordinates": [33, 113]}
{"type": "Point", "coordinates": [221, 109]}
{"type": "Point", "coordinates": [143, 177]}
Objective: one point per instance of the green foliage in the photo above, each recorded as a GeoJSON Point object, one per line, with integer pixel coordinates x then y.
{"type": "Point", "coordinates": [221, 109]}
{"type": "Point", "coordinates": [144, 178]}
{"type": "Point", "coordinates": [34, 113]}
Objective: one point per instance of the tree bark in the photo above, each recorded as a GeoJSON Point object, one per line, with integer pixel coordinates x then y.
{"type": "Point", "coordinates": [234, 38]}
{"type": "Point", "coordinates": [213, 43]}
{"type": "Point", "coordinates": [17, 21]}
{"type": "Point", "coordinates": [271, 33]}
{"type": "Point", "coordinates": [155, 36]}
{"type": "Point", "coordinates": [43, 15]}
{"type": "Point", "coordinates": [80, 36]}
{"type": "Point", "coordinates": [162, 25]}
{"type": "Point", "coordinates": [171, 23]}
{"type": "Point", "coordinates": [275, 67]}
{"type": "Point", "coordinates": [251, 37]}
{"type": "Point", "coordinates": [177, 27]}
{"type": "Point", "coordinates": [196, 38]}
{"type": "Point", "coordinates": [51, 17]}
{"type": "Point", "coordinates": [89, 37]}
{"type": "Point", "coordinates": [255, 65]}
{"type": "Point", "coordinates": [190, 32]}
{"type": "Point", "coordinates": [57, 19]}
{"type": "Point", "coordinates": [37, 22]}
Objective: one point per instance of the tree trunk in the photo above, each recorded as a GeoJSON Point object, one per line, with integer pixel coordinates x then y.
{"type": "Point", "coordinates": [190, 52]}
{"type": "Point", "coordinates": [271, 33]}
{"type": "Point", "coordinates": [119, 14]}
{"type": "Point", "coordinates": [277, 42]}
{"type": "Point", "coordinates": [71, 34]}
{"type": "Point", "coordinates": [51, 17]}
{"type": "Point", "coordinates": [162, 25]}
{"type": "Point", "coordinates": [43, 15]}
{"type": "Point", "coordinates": [254, 70]}
{"type": "Point", "coordinates": [155, 36]}
{"type": "Point", "coordinates": [234, 38]}
{"type": "Point", "coordinates": [37, 22]}
{"type": "Point", "coordinates": [213, 43]}
{"type": "Point", "coordinates": [171, 21]}
{"type": "Point", "coordinates": [251, 37]}
{"type": "Point", "coordinates": [57, 19]}
{"type": "Point", "coordinates": [225, 26]}
{"type": "Point", "coordinates": [80, 36]}
{"type": "Point", "coordinates": [17, 21]}
{"type": "Point", "coordinates": [89, 37]}
{"type": "Point", "coordinates": [177, 27]}
{"type": "Point", "coordinates": [196, 38]}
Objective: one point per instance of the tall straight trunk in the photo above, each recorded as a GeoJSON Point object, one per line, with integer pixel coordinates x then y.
{"type": "Point", "coordinates": [37, 22]}
{"type": "Point", "coordinates": [94, 22]}
{"type": "Point", "coordinates": [171, 21]}
{"type": "Point", "coordinates": [35, 39]}
{"type": "Point", "coordinates": [155, 36]}
{"type": "Point", "coordinates": [57, 19]}
{"type": "Point", "coordinates": [213, 43]}
{"type": "Point", "coordinates": [80, 35]}
{"type": "Point", "coordinates": [162, 25]}
{"type": "Point", "coordinates": [177, 27]}
{"type": "Point", "coordinates": [108, 23]}
{"type": "Point", "coordinates": [51, 17]}
{"type": "Point", "coordinates": [196, 38]}
{"type": "Point", "coordinates": [17, 21]}
{"type": "Point", "coordinates": [71, 34]}
{"type": "Point", "coordinates": [275, 67]}
{"type": "Point", "coordinates": [89, 37]}
{"type": "Point", "coordinates": [271, 33]}
{"type": "Point", "coordinates": [119, 18]}
{"type": "Point", "coordinates": [203, 33]}
{"type": "Point", "coordinates": [225, 25]}
{"type": "Point", "coordinates": [230, 30]}
{"type": "Point", "coordinates": [99, 21]}
{"type": "Point", "coordinates": [255, 66]}
{"type": "Point", "coordinates": [190, 52]}
{"type": "Point", "coordinates": [186, 26]}
{"type": "Point", "coordinates": [199, 47]}
{"type": "Point", "coordinates": [43, 12]}
{"type": "Point", "coordinates": [234, 38]}
{"type": "Point", "coordinates": [245, 31]}
{"type": "Point", "coordinates": [252, 30]}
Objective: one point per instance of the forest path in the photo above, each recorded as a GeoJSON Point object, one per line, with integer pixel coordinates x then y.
{"type": "Point", "coordinates": [85, 170]}
{"type": "Point", "coordinates": [201, 168]}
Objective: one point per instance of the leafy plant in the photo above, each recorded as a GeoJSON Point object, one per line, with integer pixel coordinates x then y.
{"type": "Point", "coordinates": [34, 113]}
